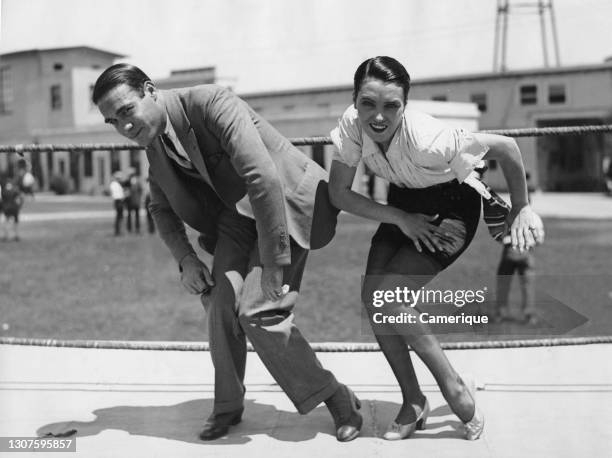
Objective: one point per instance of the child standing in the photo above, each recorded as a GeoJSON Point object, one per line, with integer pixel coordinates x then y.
{"type": "Point", "coordinates": [523, 262]}
{"type": "Point", "coordinates": [12, 200]}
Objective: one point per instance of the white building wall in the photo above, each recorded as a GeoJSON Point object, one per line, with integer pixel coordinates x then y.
{"type": "Point", "coordinates": [84, 111]}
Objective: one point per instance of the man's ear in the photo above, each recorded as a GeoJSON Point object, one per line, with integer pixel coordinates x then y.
{"type": "Point", "coordinates": [150, 89]}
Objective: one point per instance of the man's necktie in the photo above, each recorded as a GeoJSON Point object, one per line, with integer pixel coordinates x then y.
{"type": "Point", "coordinates": [173, 153]}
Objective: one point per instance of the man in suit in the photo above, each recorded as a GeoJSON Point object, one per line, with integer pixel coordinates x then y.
{"type": "Point", "coordinates": [259, 205]}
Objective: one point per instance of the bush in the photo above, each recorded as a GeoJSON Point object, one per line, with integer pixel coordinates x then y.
{"type": "Point", "coordinates": [59, 184]}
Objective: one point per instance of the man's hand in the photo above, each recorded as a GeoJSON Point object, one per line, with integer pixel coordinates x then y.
{"type": "Point", "coordinates": [272, 283]}
{"type": "Point", "coordinates": [195, 276]}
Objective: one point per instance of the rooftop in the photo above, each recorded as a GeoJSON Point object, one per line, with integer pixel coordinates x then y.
{"type": "Point", "coordinates": [63, 49]}
{"type": "Point", "coordinates": [533, 72]}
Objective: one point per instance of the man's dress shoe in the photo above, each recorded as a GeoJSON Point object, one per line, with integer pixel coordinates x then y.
{"type": "Point", "coordinates": [343, 406]}
{"type": "Point", "coordinates": [218, 425]}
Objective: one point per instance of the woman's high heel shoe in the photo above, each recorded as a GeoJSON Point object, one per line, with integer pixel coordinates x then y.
{"type": "Point", "coordinates": [398, 431]}
{"type": "Point", "coordinates": [474, 427]}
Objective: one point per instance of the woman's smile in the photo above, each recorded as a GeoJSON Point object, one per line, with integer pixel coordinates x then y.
{"type": "Point", "coordinates": [378, 127]}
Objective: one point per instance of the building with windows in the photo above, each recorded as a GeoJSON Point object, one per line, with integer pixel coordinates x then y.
{"type": "Point", "coordinates": [45, 97]}
{"type": "Point", "coordinates": [566, 96]}
{"type": "Point", "coordinates": [315, 112]}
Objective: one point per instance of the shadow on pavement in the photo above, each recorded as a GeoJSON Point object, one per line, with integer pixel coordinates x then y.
{"type": "Point", "coordinates": [183, 422]}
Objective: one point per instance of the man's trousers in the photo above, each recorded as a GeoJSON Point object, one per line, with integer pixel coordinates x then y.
{"type": "Point", "coordinates": [236, 309]}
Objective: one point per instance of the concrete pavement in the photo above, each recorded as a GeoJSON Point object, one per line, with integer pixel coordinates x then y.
{"type": "Point", "coordinates": [538, 402]}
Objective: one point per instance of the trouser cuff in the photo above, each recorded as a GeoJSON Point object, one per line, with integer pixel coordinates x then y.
{"type": "Point", "coordinates": [312, 401]}
{"type": "Point", "coordinates": [228, 406]}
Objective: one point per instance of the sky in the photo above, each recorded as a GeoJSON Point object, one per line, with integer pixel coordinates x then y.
{"type": "Point", "coordinates": [261, 45]}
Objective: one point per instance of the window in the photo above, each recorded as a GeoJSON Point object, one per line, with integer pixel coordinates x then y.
{"type": "Point", "coordinates": [56, 97]}
{"type": "Point", "coordinates": [556, 93]}
{"type": "Point", "coordinates": [61, 164]}
{"type": "Point", "coordinates": [87, 163]}
{"type": "Point", "coordinates": [6, 91]}
{"type": "Point", "coordinates": [529, 94]}
{"type": "Point", "coordinates": [439, 98]}
{"type": "Point", "coordinates": [288, 107]}
{"type": "Point", "coordinates": [480, 99]}
{"type": "Point", "coordinates": [101, 163]}
{"type": "Point", "coordinates": [58, 66]}
{"type": "Point", "coordinates": [115, 162]}
{"type": "Point", "coordinates": [492, 164]}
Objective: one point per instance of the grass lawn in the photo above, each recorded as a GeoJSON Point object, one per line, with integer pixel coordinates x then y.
{"type": "Point", "coordinates": [73, 280]}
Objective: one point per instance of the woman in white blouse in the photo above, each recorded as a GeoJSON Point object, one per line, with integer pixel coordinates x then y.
{"type": "Point", "coordinates": [431, 217]}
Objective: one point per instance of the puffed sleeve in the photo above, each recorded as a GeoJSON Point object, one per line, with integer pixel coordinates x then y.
{"type": "Point", "coordinates": [347, 138]}
{"type": "Point", "coordinates": [457, 147]}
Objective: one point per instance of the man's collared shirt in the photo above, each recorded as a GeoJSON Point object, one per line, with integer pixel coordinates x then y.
{"type": "Point", "coordinates": [179, 152]}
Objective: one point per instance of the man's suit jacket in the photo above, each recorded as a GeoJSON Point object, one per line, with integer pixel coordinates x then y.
{"type": "Point", "coordinates": [243, 157]}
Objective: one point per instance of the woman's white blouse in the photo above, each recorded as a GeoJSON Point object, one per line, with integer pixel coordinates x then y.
{"type": "Point", "coordinates": [423, 152]}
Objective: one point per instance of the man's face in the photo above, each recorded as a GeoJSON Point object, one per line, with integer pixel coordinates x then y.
{"type": "Point", "coordinates": [139, 118]}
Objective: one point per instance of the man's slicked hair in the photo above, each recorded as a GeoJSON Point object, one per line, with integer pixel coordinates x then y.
{"type": "Point", "coordinates": [116, 75]}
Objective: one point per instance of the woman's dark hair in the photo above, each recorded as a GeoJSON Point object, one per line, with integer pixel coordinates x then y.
{"type": "Point", "coordinates": [116, 75]}
{"type": "Point", "coordinates": [383, 68]}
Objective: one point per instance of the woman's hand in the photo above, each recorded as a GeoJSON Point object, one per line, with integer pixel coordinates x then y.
{"type": "Point", "coordinates": [418, 228]}
{"type": "Point", "coordinates": [526, 228]}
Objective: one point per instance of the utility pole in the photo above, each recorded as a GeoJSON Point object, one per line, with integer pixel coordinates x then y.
{"type": "Point", "coordinates": [500, 42]}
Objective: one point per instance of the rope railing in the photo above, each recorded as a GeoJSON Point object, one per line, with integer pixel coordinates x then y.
{"type": "Point", "coordinates": [526, 132]}
{"type": "Point", "coordinates": [329, 347]}
{"type": "Point", "coordinates": [319, 347]}
{"type": "Point", "coordinates": [46, 148]}
{"type": "Point", "coordinates": [307, 141]}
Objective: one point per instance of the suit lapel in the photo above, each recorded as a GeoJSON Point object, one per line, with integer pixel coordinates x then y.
{"type": "Point", "coordinates": [184, 132]}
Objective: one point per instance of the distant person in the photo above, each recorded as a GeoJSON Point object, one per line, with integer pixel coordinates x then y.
{"type": "Point", "coordinates": [260, 205]}
{"type": "Point", "coordinates": [118, 195]}
{"type": "Point", "coordinates": [133, 202]}
{"type": "Point", "coordinates": [523, 263]}
{"type": "Point", "coordinates": [12, 201]}
{"type": "Point", "coordinates": [26, 180]}
{"type": "Point", "coordinates": [607, 168]}
{"type": "Point", "coordinates": [147, 203]}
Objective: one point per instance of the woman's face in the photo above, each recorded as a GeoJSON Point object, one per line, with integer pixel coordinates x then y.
{"type": "Point", "coordinates": [380, 107]}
